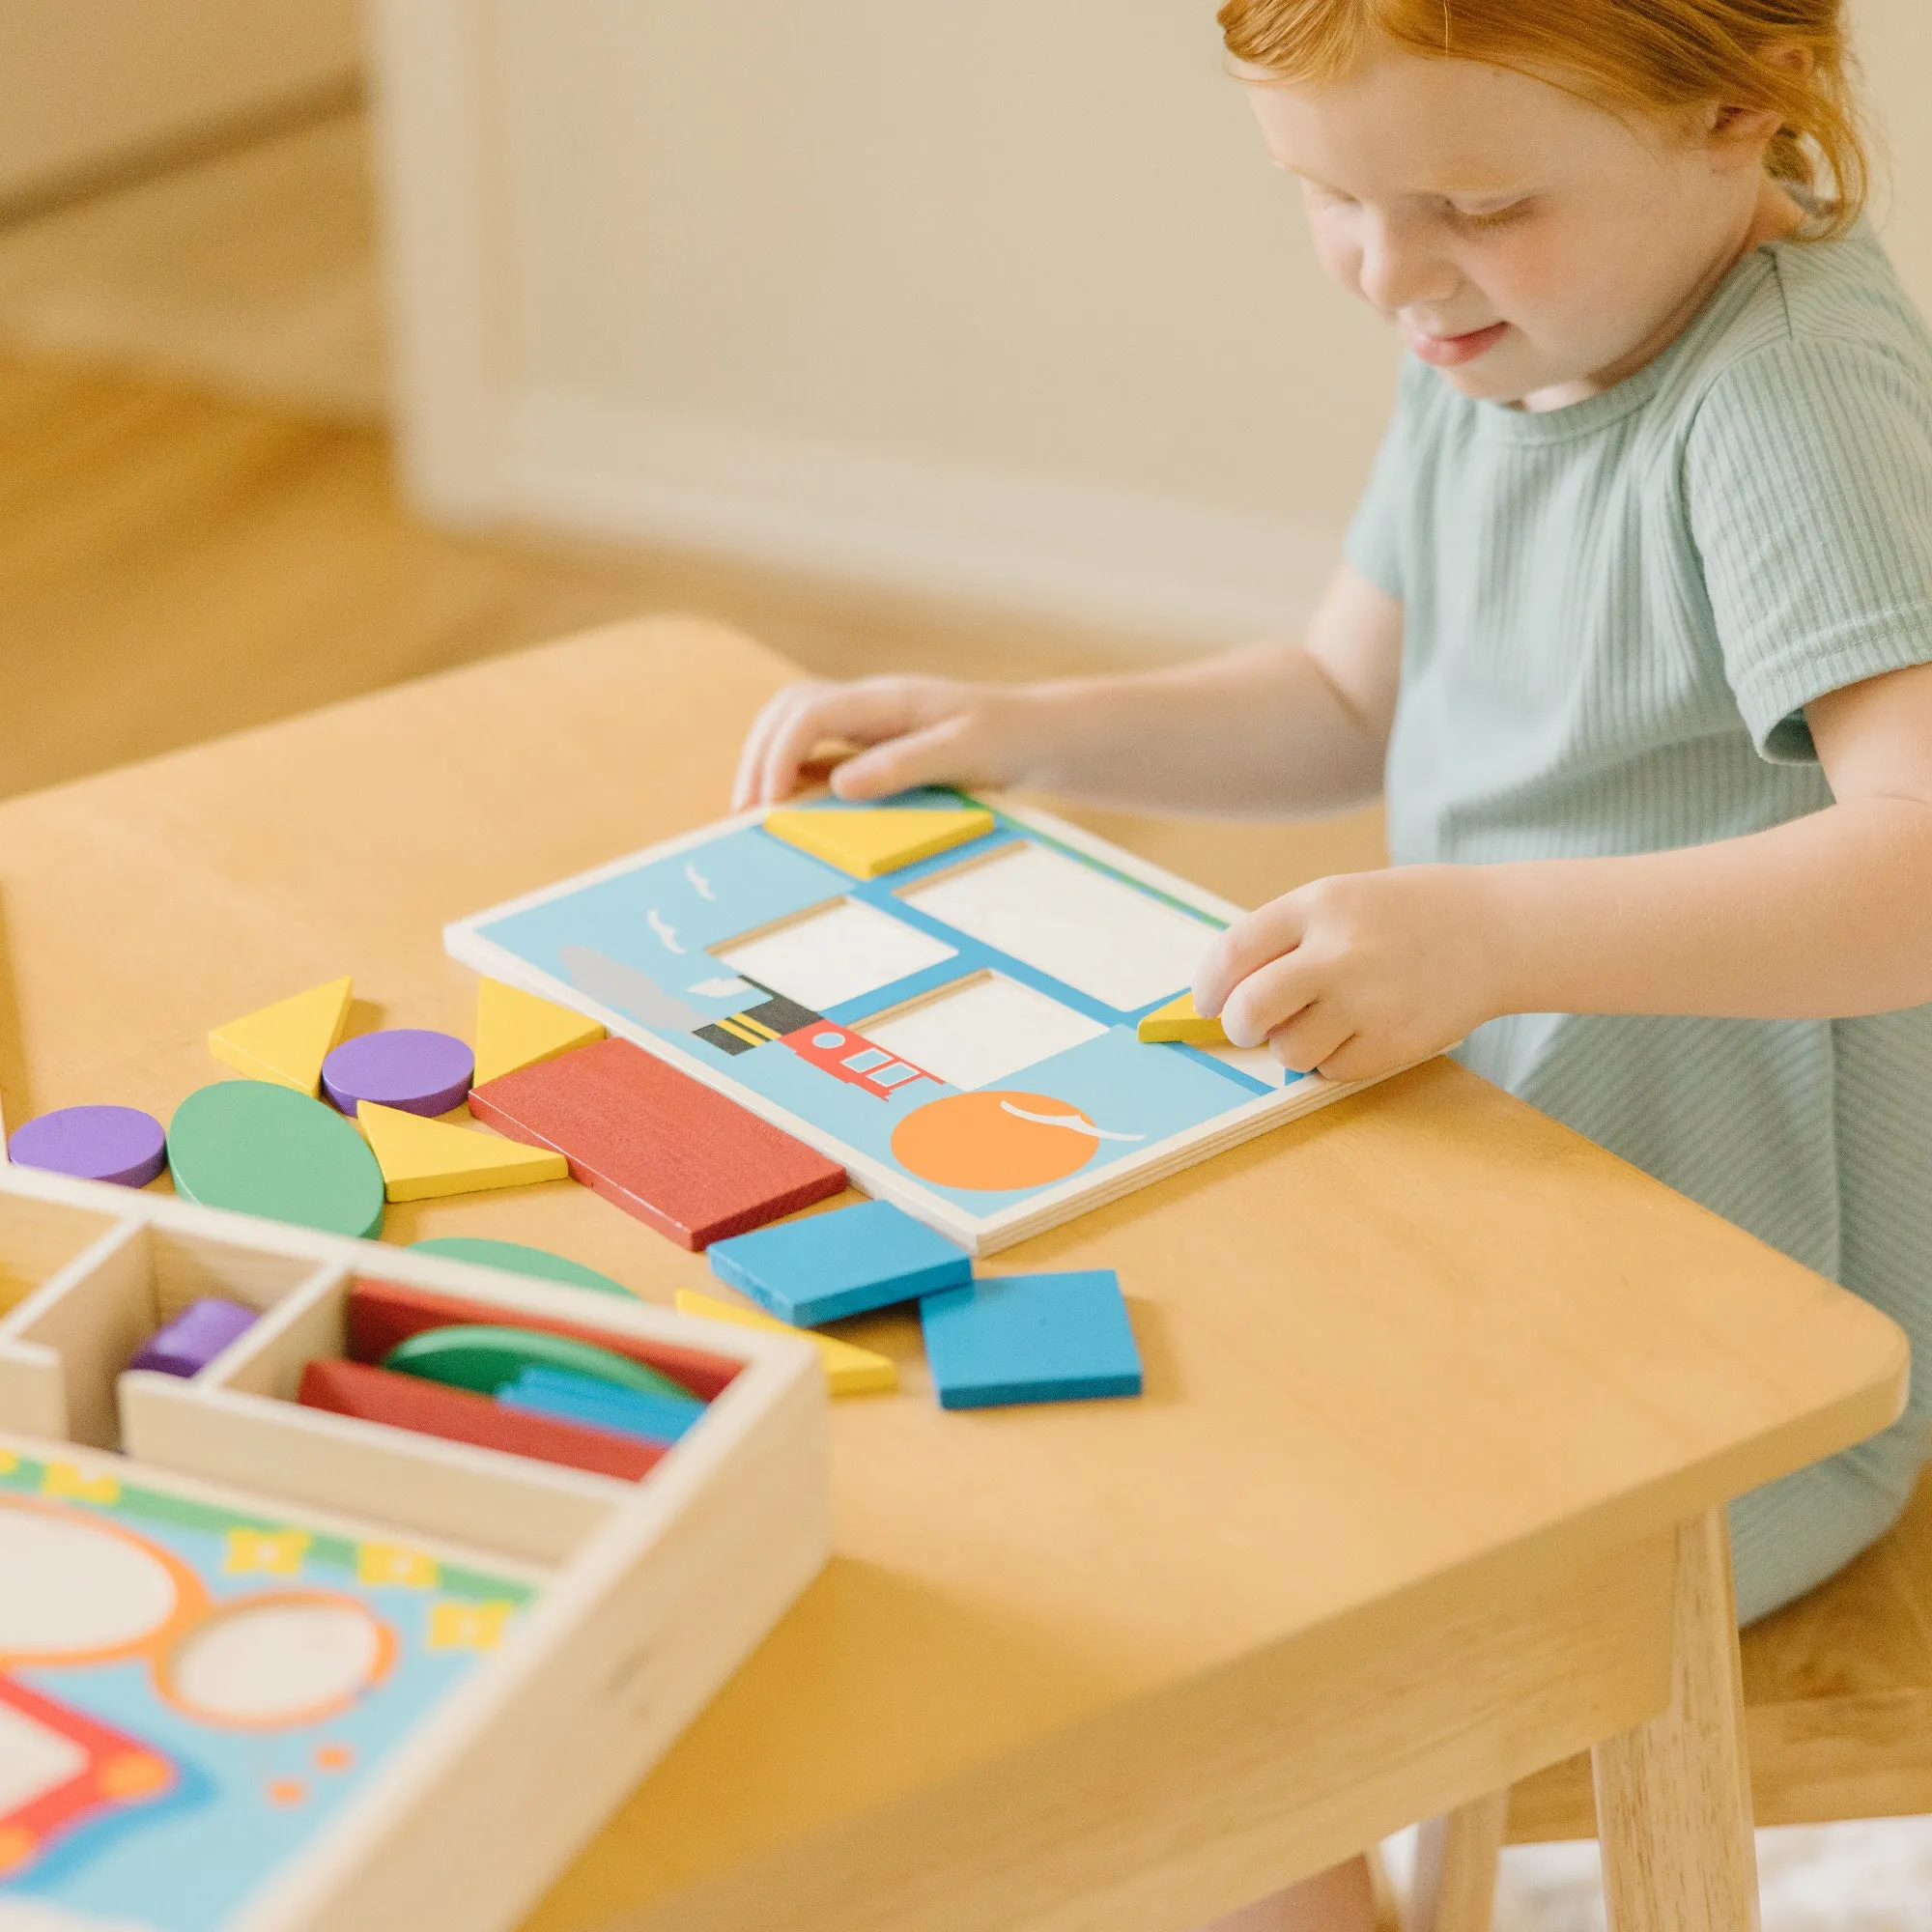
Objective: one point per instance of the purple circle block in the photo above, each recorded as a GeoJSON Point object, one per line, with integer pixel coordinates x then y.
{"type": "Point", "coordinates": [118, 1144]}
{"type": "Point", "coordinates": [422, 1072]}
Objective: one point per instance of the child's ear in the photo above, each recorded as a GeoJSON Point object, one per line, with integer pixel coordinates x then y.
{"type": "Point", "coordinates": [1742, 127]}
{"type": "Point", "coordinates": [1747, 130]}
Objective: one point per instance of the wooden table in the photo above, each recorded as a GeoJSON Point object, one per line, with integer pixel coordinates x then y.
{"type": "Point", "coordinates": [1441, 1401]}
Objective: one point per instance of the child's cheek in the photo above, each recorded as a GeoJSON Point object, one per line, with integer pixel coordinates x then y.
{"type": "Point", "coordinates": [1339, 250]}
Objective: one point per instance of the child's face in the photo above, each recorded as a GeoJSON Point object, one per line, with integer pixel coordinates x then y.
{"type": "Point", "coordinates": [1529, 244]}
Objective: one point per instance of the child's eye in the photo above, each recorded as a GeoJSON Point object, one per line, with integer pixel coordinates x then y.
{"type": "Point", "coordinates": [1493, 217]}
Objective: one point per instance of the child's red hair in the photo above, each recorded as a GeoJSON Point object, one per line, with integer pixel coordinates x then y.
{"type": "Point", "coordinates": [1791, 57]}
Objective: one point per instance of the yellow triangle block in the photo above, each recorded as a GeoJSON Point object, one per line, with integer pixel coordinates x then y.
{"type": "Point", "coordinates": [849, 1370]}
{"type": "Point", "coordinates": [1178, 1021]}
{"type": "Point", "coordinates": [422, 1160]}
{"type": "Point", "coordinates": [516, 1028]}
{"type": "Point", "coordinates": [868, 843]}
{"type": "Point", "coordinates": [287, 1042]}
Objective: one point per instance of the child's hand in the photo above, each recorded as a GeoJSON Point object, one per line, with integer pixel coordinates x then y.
{"type": "Point", "coordinates": [1357, 976]}
{"type": "Point", "coordinates": [915, 730]}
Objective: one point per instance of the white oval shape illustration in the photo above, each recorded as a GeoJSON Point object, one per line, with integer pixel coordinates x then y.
{"type": "Point", "coordinates": [73, 1588]}
{"type": "Point", "coordinates": [269, 1662]}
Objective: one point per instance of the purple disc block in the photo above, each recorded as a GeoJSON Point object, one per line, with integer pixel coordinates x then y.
{"type": "Point", "coordinates": [420, 1072]}
{"type": "Point", "coordinates": [194, 1337]}
{"type": "Point", "coordinates": [118, 1144]}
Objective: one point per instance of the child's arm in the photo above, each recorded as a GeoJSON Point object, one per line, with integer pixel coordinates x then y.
{"type": "Point", "coordinates": [1276, 729]}
{"type": "Point", "coordinates": [1827, 916]}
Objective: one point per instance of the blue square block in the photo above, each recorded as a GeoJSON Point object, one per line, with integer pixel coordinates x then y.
{"type": "Point", "coordinates": [842, 1262]}
{"type": "Point", "coordinates": [1030, 1338]}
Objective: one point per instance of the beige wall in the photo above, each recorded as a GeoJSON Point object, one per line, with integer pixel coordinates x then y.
{"type": "Point", "coordinates": [1894, 39]}
{"type": "Point", "coordinates": [1024, 234]}
{"type": "Point", "coordinates": [84, 83]}
{"type": "Point", "coordinates": [961, 288]}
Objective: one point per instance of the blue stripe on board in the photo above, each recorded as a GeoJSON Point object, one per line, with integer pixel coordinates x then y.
{"type": "Point", "coordinates": [876, 893]}
{"type": "Point", "coordinates": [1221, 1068]}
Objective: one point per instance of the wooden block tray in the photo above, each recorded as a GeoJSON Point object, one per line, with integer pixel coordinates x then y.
{"type": "Point", "coordinates": [268, 1668]}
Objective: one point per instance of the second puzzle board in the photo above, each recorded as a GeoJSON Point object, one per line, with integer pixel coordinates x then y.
{"type": "Point", "coordinates": [940, 993]}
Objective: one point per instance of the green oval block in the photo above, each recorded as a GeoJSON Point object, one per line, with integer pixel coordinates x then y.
{"type": "Point", "coordinates": [513, 1258]}
{"type": "Point", "coordinates": [260, 1148]}
{"type": "Point", "coordinates": [485, 1357]}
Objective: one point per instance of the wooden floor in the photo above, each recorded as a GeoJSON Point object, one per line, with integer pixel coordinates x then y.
{"type": "Point", "coordinates": [199, 530]}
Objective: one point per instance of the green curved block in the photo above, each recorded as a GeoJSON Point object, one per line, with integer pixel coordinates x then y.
{"type": "Point", "coordinates": [515, 1259]}
{"type": "Point", "coordinates": [485, 1357]}
{"type": "Point", "coordinates": [260, 1148]}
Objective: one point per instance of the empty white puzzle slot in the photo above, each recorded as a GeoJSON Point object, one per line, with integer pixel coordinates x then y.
{"type": "Point", "coordinates": [833, 953]}
{"type": "Point", "coordinates": [981, 1029]}
{"type": "Point", "coordinates": [1085, 927]}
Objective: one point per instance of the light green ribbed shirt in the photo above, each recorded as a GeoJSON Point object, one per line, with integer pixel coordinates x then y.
{"type": "Point", "coordinates": [1614, 616]}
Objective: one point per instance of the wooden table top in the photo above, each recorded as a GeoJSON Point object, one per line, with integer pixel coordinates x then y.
{"type": "Point", "coordinates": [1425, 1331]}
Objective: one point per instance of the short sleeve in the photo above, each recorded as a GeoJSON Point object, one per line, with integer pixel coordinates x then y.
{"type": "Point", "coordinates": [1808, 473]}
{"type": "Point", "coordinates": [1385, 519]}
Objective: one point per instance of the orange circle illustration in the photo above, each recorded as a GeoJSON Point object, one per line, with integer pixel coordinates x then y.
{"type": "Point", "coordinates": [994, 1140]}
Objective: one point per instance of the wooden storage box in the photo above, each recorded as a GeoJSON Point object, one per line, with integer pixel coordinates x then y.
{"type": "Point", "coordinates": [266, 1668]}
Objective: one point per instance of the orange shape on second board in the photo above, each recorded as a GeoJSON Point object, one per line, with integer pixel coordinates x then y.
{"type": "Point", "coordinates": [994, 1140]}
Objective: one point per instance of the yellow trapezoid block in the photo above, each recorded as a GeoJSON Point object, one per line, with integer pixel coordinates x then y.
{"type": "Point", "coordinates": [1178, 1021]}
{"type": "Point", "coordinates": [868, 843]}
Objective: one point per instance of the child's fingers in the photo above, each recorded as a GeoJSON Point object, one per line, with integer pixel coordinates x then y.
{"type": "Point", "coordinates": [748, 788]}
{"type": "Point", "coordinates": [1247, 944]}
{"type": "Point", "coordinates": [869, 713]}
{"type": "Point", "coordinates": [795, 734]}
{"type": "Point", "coordinates": [1357, 1058]}
{"type": "Point", "coordinates": [1270, 998]}
{"type": "Point", "coordinates": [1311, 1039]}
{"type": "Point", "coordinates": [920, 758]}
{"type": "Point", "coordinates": [816, 713]}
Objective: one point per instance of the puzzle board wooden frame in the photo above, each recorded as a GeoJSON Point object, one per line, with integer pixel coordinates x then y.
{"type": "Point", "coordinates": [596, 942]}
{"type": "Point", "coordinates": [634, 1600]}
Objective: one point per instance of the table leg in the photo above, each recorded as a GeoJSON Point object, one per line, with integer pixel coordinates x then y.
{"type": "Point", "coordinates": [1456, 1868]}
{"type": "Point", "coordinates": [1673, 1796]}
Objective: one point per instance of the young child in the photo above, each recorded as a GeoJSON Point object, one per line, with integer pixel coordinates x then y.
{"type": "Point", "coordinates": [1633, 635]}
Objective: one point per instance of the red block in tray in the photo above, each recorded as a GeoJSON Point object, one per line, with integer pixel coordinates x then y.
{"type": "Point", "coordinates": [657, 1143]}
{"type": "Point", "coordinates": [457, 1415]}
{"type": "Point", "coordinates": [381, 1314]}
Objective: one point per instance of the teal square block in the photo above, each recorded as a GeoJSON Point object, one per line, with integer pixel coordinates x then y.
{"type": "Point", "coordinates": [1030, 1338]}
{"type": "Point", "coordinates": [841, 1263]}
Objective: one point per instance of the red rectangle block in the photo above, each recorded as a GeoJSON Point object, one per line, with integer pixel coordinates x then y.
{"type": "Point", "coordinates": [657, 1143]}
{"type": "Point", "coordinates": [381, 1314]}
{"type": "Point", "coordinates": [457, 1415]}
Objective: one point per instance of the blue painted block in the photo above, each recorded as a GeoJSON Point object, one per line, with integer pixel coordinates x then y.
{"type": "Point", "coordinates": [1030, 1338]}
{"type": "Point", "coordinates": [555, 1392]}
{"type": "Point", "coordinates": [842, 1262]}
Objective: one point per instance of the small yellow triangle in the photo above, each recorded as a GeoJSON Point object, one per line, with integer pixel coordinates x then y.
{"type": "Point", "coordinates": [1178, 1021]}
{"type": "Point", "coordinates": [422, 1160]}
{"type": "Point", "coordinates": [516, 1028]}
{"type": "Point", "coordinates": [286, 1042]}
{"type": "Point", "coordinates": [849, 1370]}
{"type": "Point", "coordinates": [868, 843]}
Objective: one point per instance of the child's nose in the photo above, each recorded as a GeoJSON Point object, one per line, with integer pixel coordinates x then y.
{"type": "Point", "coordinates": [1401, 267]}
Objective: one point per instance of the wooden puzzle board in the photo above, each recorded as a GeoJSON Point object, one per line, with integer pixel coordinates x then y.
{"type": "Point", "coordinates": [959, 1031]}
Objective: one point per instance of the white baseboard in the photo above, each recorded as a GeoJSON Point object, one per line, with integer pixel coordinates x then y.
{"type": "Point", "coordinates": [1161, 570]}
